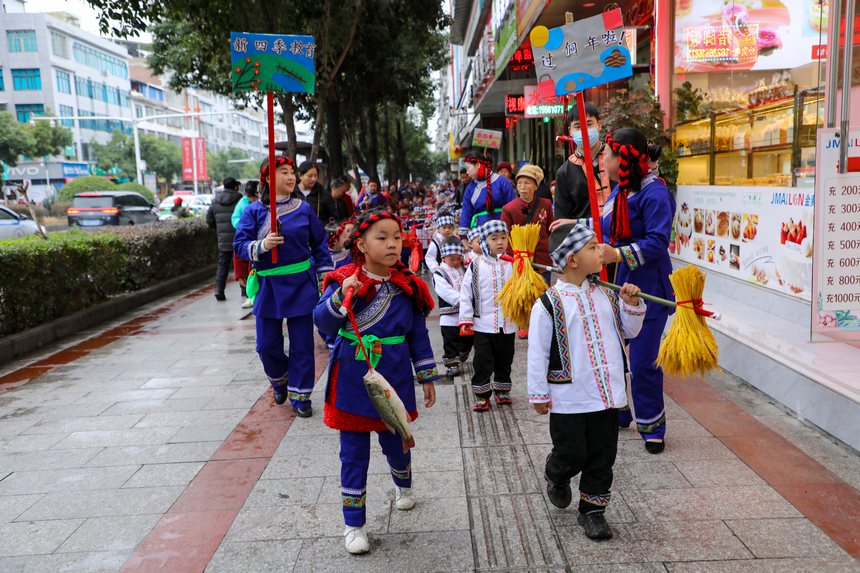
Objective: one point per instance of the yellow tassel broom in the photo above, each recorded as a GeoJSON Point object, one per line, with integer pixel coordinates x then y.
{"type": "Point", "coordinates": [689, 346]}
{"type": "Point", "coordinates": [525, 285]}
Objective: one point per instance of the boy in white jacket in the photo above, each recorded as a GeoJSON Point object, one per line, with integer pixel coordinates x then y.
{"type": "Point", "coordinates": [447, 281]}
{"type": "Point", "coordinates": [445, 227]}
{"type": "Point", "coordinates": [577, 368]}
{"type": "Point", "coordinates": [481, 313]}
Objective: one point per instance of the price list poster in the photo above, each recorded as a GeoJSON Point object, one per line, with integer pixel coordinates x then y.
{"type": "Point", "coordinates": [836, 275]}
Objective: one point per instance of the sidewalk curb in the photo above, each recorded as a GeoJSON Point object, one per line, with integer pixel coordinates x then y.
{"type": "Point", "coordinates": [15, 345]}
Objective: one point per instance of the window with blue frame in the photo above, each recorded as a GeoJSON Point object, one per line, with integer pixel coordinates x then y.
{"type": "Point", "coordinates": [67, 111]}
{"type": "Point", "coordinates": [99, 60]}
{"type": "Point", "coordinates": [21, 40]}
{"type": "Point", "coordinates": [100, 124]}
{"type": "Point", "coordinates": [25, 111]}
{"type": "Point", "coordinates": [27, 79]}
{"type": "Point", "coordinates": [64, 82]}
{"type": "Point", "coordinates": [2, 85]}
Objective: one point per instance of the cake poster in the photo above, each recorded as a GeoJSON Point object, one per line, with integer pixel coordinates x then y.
{"type": "Point", "coordinates": [740, 35]}
{"type": "Point", "coordinates": [762, 235]}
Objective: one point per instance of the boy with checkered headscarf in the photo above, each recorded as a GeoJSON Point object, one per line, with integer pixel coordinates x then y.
{"type": "Point", "coordinates": [578, 368]}
{"type": "Point", "coordinates": [446, 226]}
{"type": "Point", "coordinates": [447, 281]}
{"type": "Point", "coordinates": [481, 313]}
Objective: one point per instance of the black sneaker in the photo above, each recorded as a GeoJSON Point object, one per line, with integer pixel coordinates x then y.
{"type": "Point", "coordinates": [452, 371]}
{"type": "Point", "coordinates": [559, 495]}
{"type": "Point", "coordinates": [595, 525]}
{"type": "Point", "coordinates": [304, 412]}
{"type": "Point", "coordinates": [220, 297]}
{"type": "Point", "coordinates": [280, 396]}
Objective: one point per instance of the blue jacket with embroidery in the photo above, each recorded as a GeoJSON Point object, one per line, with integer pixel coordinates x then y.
{"type": "Point", "coordinates": [645, 256]}
{"type": "Point", "coordinates": [304, 238]}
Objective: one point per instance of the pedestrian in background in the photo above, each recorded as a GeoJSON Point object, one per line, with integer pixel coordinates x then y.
{"type": "Point", "coordinates": [485, 196]}
{"type": "Point", "coordinates": [219, 217]}
{"type": "Point", "coordinates": [241, 267]}
{"type": "Point", "coordinates": [311, 191]}
{"type": "Point", "coordinates": [343, 204]}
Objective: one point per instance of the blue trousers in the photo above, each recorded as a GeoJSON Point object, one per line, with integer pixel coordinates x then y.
{"type": "Point", "coordinates": [647, 378]}
{"type": "Point", "coordinates": [300, 361]}
{"type": "Point", "coordinates": [354, 461]}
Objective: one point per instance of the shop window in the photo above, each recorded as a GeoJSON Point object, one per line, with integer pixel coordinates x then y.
{"type": "Point", "coordinates": [21, 40]}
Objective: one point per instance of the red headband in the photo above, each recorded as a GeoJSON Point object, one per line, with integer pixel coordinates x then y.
{"type": "Point", "coordinates": [361, 227]}
{"type": "Point", "coordinates": [279, 160]}
{"type": "Point", "coordinates": [628, 158]}
{"type": "Point", "coordinates": [336, 235]}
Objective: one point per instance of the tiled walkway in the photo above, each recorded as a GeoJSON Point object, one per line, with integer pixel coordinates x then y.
{"type": "Point", "coordinates": [152, 445]}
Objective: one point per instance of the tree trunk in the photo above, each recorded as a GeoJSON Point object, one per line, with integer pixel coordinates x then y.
{"type": "Point", "coordinates": [386, 135]}
{"type": "Point", "coordinates": [289, 108]}
{"type": "Point", "coordinates": [319, 123]}
{"type": "Point", "coordinates": [403, 169]}
{"type": "Point", "coordinates": [334, 136]}
{"type": "Point", "coordinates": [373, 151]}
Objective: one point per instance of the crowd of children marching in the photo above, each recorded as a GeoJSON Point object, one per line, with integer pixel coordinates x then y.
{"type": "Point", "coordinates": [360, 285]}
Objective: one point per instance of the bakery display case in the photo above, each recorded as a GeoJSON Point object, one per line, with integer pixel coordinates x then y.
{"type": "Point", "coordinates": [771, 144]}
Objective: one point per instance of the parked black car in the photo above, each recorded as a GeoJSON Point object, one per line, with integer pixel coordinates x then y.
{"type": "Point", "coordinates": [110, 208]}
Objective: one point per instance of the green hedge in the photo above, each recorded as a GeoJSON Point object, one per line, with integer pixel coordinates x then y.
{"type": "Point", "coordinates": [87, 184]}
{"type": "Point", "coordinates": [45, 280]}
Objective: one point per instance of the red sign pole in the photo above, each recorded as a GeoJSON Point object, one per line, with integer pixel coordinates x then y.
{"type": "Point", "coordinates": [589, 172]}
{"type": "Point", "coordinates": [273, 195]}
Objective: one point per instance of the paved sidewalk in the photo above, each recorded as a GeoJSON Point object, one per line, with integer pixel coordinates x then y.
{"type": "Point", "coordinates": [153, 444]}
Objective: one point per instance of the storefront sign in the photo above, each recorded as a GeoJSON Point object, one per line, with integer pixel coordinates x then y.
{"type": "Point", "coordinates": [836, 284]}
{"type": "Point", "coordinates": [583, 54]}
{"type": "Point", "coordinates": [75, 169]}
{"type": "Point", "coordinates": [487, 138]}
{"type": "Point", "coordinates": [504, 32]}
{"type": "Point", "coordinates": [521, 61]}
{"type": "Point", "coordinates": [272, 62]}
{"type": "Point", "coordinates": [538, 105]}
{"type": "Point", "coordinates": [722, 44]}
{"type": "Point", "coordinates": [515, 104]}
{"type": "Point", "coordinates": [758, 35]}
{"type": "Point", "coordinates": [758, 234]}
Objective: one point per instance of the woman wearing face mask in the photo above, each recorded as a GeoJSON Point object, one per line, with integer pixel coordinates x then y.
{"type": "Point", "coordinates": [309, 190]}
{"type": "Point", "coordinates": [571, 196]}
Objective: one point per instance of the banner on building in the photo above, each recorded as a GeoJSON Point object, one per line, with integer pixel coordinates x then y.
{"type": "Point", "coordinates": [762, 235]}
{"type": "Point", "coordinates": [194, 148]}
{"type": "Point", "coordinates": [504, 32]}
{"type": "Point", "coordinates": [487, 138]}
{"type": "Point", "coordinates": [582, 54]}
{"type": "Point", "coordinates": [836, 279]}
{"type": "Point", "coordinates": [272, 62]}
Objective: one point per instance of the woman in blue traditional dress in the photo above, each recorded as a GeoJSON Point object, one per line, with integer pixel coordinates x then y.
{"type": "Point", "coordinates": [287, 289]}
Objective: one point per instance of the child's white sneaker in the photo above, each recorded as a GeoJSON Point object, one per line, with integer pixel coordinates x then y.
{"type": "Point", "coordinates": [356, 540]}
{"type": "Point", "coordinates": [403, 498]}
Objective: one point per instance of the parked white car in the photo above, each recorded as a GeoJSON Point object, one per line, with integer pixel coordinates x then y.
{"type": "Point", "coordinates": [13, 225]}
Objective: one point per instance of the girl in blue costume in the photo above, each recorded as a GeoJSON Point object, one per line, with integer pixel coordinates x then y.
{"type": "Point", "coordinates": [485, 196]}
{"type": "Point", "coordinates": [390, 305]}
{"type": "Point", "coordinates": [638, 219]}
{"type": "Point", "coordinates": [288, 289]}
